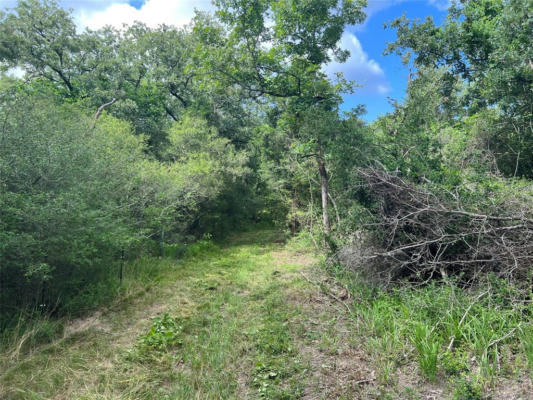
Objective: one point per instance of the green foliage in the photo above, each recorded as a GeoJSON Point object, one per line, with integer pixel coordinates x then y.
{"type": "Point", "coordinates": [466, 389]}
{"type": "Point", "coordinates": [526, 338]}
{"type": "Point", "coordinates": [454, 363]}
{"type": "Point", "coordinates": [233, 121]}
{"type": "Point", "coordinates": [61, 199]}
{"type": "Point", "coordinates": [200, 248]}
{"type": "Point", "coordinates": [204, 157]}
{"type": "Point", "coordinates": [409, 139]}
{"type": "Point", "coordinates": [486, 45]}
{"type": "Point", "coordinates": [75, 197]}
{"type": "Point", "coordinates": [306, 35]}
{"type": "Point", "coordinates": [164, 334]}
{"type": "Point", "coordinates": [77, 193]}
{"type": "Point", "coordinates": [41, 36]}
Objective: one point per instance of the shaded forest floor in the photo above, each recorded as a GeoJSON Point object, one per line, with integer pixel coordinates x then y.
{"type": "Point", "coordinates": [255, 318]}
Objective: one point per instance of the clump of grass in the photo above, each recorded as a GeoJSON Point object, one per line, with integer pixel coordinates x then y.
{"type": "Point", "coordinates": [526, 339]}
{"type": "Point", "coordinates": [427, 347]}
{"type": "Point", "coordinates": [303, 241]}
{"type": "Point", "coordinates": [29, 333]}
{"type": "Point", "coordinates": [204, 247]}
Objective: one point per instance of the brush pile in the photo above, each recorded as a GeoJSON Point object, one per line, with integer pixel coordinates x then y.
{"type": "Point", "coordinates": [420, 235]}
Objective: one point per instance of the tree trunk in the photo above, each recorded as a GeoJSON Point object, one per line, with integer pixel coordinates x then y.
{"type": "Point", "coordinates": [324, 189]}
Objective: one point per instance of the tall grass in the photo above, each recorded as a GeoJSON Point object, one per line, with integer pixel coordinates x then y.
{"type": "Point", "coordinates": [427, 346]}
{"type": "Point", "coordinates": [32, 329]}
{"type": "Point", "coordinates": [526, 339]}
{"type": "Point", "coordinates": [448, 330]}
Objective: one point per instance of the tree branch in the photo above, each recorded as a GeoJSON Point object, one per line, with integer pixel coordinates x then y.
{"type": "Point", "coordinates": [99, 111]}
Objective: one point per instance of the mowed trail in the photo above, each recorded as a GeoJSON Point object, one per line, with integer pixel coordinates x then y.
{"type": "Point", "coordinates": [253, 318]}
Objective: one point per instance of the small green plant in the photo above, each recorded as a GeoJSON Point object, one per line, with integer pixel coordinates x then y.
{"type": "Point", "coordinates": [173, 250]}
{"type": "Point", "coordinates": [454, 363]}
{"type": "Point", "coordinates": [165, 333]}
{"type": "Point", "coordinates": [465, 389]}
{"type": "Point", "coordinates": [204, 246]}
{"type": "Point", "coordinates": [427, 346]}
{"type": "Point", "coordinates": [263, 376]}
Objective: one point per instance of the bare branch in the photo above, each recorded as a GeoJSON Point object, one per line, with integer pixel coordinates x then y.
{"type": "Point", "coordinates": [99, 111]}
{"type": "Point", "coordinates": [418, 234]}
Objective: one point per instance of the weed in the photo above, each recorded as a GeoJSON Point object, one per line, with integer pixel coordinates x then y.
{"type": "Point", "coordinates": [165, 333]}
{"type": "Point", "coordinates": [465, 389]}
{"type": "Point", "coordinates": [526, 338]}
{"type": "Point", "coordinates": [454, 363]}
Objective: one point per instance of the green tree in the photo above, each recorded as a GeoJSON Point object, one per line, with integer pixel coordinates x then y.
{"type": "Point", "coordinates": [65, 197]}
{"type": "Point", "coordinates": [488, 45]}
{"type": "Point", "coordinates": [41, 37]}
{"type": "Point", "coordinates": [279, 48]}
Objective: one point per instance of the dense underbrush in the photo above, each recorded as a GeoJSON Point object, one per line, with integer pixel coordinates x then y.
{"type": "Point", "coordinates": [439, 274]}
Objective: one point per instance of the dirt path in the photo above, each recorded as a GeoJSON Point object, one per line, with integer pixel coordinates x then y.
{"type": "Point", "coordinates": [253, 319]}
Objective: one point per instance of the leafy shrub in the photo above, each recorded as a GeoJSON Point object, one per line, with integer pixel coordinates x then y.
{"type": "Point", "coordinates": [454, 363]}
{"type": "Point", "coordinates": [75, 197]}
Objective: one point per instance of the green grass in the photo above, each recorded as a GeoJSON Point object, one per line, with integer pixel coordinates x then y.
{"type": "Point", "coordinates": [467, 339]}
{"type": "Point", "coordinates": [215, 324]}
{"type": "Point", "coordinates": [427, 345]}
{"type": "Point", "coordinates": [239, 321]}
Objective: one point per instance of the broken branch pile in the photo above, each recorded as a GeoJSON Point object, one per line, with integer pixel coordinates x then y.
{"type": "Point", "coordinates": [419, 234]}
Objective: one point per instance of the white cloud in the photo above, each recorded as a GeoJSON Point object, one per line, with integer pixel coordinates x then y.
{"type": "Point", "coordinates": [359, 67]}
{"type": "Point", "coordinates": [375, 6]}
{"type": "Point", "coordinates": [152, 13]}
{"type": "Point", "coordinates": [383, 89]}
{"type": "Point", "coordinates": [441, 5]}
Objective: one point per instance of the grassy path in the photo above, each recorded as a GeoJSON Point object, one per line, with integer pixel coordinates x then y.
{"type": "Point", "coordinates": [235, 322]}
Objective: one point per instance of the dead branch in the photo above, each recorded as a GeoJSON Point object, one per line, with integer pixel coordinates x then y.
{"type": "Point", "coordinates": [99, 111]}
{"type": "Point", "coordinates": [420, 233]}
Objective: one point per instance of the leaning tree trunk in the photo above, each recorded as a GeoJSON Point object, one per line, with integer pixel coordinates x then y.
{"type": "Point", "coordinates": [324, 189]}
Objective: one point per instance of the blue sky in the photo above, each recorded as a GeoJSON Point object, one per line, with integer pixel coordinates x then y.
{"type": "Point", "coordinates": [373, 38]}
{"type": "Point", "coordinates": [381, 77]}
